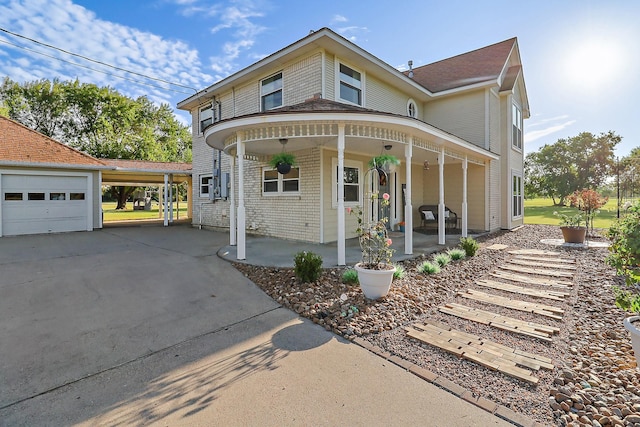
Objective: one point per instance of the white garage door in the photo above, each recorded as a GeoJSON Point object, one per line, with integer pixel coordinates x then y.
{"type": "Point", "coordinates": [44, 204]}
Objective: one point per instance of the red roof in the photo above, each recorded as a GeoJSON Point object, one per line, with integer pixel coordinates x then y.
{"type": "Point", "coordinates": [21, 144]}
{"type": "Point", "coordinates": [478, 66]}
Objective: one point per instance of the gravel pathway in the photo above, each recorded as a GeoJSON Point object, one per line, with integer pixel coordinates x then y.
{"type": "Point", "coordinates": [595, 381]}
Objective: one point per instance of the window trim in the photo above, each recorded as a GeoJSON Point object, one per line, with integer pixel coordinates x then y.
{"type": "Point", "coordinates": [202, 108]}
{"type": "Point", "coordinates": [354, 164]}
{"type": "Point", "coordinates": [281, 179]}
{"type": "Point", "coordinates": [280, 89]}
{"type": "Point", "coordinates": [415, 108]}
{"type": "Point", "coordinates": [339, 83]}
{"type": "Point", "coordinates": [516, 123]}
{"type": "Point", "coordinates": [517, 191]}
{"type": "Point", "coordinates": [200, 178]}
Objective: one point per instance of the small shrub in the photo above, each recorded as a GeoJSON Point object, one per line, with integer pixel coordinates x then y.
{"type": "Point", "coordinates": [469, 245]}
{"type": "Point", "coordinates": [456, 254]}
{"type": "Point", "coordinates": [399, 273]}
{"type": "Point", "coordinates": [442, 259]}
{"type": "Point", "coordinates": [429, 268]}
{"type": "Point", "coordinates": [350, 277]}
{"type": "Point", "coordinates": [307, 266]}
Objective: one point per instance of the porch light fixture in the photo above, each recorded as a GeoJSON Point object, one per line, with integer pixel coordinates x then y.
{"type": "Point", "coordinates": [425, 165]}
{"type": "Point", "coordinates": [283, 141]}
{"type": "Point", "coordinates": [388, 147]}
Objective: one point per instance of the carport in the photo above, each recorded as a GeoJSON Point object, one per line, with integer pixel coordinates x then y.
{"type": "Point", "coordinates": [165, 175]}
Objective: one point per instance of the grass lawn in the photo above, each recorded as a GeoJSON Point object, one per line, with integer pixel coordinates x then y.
{"type": "Point", "coordinates": [111, 214]}
{"type": "Point", "coordinates": [540, 211]}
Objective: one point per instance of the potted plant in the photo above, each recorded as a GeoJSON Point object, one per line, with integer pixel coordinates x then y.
{"type": "Point", "coordinates": [375, 271]}
{"type": "Point", "coordinates": [401, 226]}
{"type": "Point", "coordinates": [283, 162]}
{"type": "Point", "coordinates": [571, 229]}
{"type": "Point", "coordinates": [386, 162]}
{"type": "Point", "coordinates": [625, 258]}
{"type": "Point", "coordinates": [588, 201]}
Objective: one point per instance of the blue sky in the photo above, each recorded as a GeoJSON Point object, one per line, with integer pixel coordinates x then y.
{"type": "Point", "coordinates": [581, 59]}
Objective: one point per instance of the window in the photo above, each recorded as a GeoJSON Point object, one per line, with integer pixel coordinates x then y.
{"type": "Point", "coordinates": [276, 183]}
{"type": "Point", "coordinates": [350, 85]}
{"type": "Point", "coordinates": [412, 109]}
{"type": "Point", "coordinates": [205, 180]}
{"type": "Point", "coordinates": [517, 196]}
{"type": "Point", "coordinates": [352, 194]}
{"type": "Point", "coordinates": [271, 92]}
{"type": "Point", "coordinates": [517, 127]}
{"type": "Point", "coordinates": [76, 196]}
{"type": "Point", "coordinates": [35, 196]}
{"type": "Point", "coordinates": [57, 196]}
{"type": "Point", "coordinates": [206, 117]}
{"type": "Point", "coordinates": [13, 197]}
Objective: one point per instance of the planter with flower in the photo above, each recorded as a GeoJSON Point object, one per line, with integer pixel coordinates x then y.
{"type": "Point", "coordinates": [571, 229]}
{"type": "Point", "coordinates": [375, 271]}
{"type": "Point", "coordinates": [283, 162]}
{"type": "Point", "coordinates": [625, 258]}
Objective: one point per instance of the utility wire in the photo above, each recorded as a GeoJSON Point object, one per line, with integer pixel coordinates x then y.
{"type": "Point", "coordinates": [92, 60]}
{"type": "Point", "coordinates": [96, 70]}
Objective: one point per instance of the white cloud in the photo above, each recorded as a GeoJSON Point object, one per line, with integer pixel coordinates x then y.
{"type": "Point", "coordinates": [338, 18]}
{"type": "Point", "coordinates": [546, 131]}
{"type": "Point", "coordinates": [352, 32]}
{"type": "Point", "coordinates": [71, 27]}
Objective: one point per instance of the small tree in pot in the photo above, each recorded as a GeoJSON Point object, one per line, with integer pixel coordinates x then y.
{"type": "Point", "coordinates": [625, 257]}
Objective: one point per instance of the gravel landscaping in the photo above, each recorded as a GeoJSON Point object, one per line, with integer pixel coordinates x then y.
{"type": "Point", "coordinates": [595, 381]}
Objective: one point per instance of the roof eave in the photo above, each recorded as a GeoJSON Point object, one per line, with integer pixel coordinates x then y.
{"type": "Point", "coordinates": [9, 163]}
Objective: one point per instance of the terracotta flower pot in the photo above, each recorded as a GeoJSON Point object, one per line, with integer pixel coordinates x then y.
{"type": "Point", "coordinates": [574, 234]}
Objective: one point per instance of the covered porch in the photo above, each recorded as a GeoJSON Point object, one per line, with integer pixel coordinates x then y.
{"type": "Point", "coordinates": [328, 141]}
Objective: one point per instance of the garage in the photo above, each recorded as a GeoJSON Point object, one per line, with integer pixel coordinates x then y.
{"type": "Point", "coordinates": [33, 204]}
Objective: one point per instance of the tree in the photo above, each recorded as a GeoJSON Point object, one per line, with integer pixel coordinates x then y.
{"type": "Point", "coordinates": [559, 169]}
{"type": "Point", "coordinates": [629, 174]}
{"type": "Point", "coordinates": [99, 121]}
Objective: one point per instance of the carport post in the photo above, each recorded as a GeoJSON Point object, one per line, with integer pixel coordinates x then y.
{"type": "Point", "coordinates": [171, 198]}
{"type": "Point", "coordinates": [164, 200]}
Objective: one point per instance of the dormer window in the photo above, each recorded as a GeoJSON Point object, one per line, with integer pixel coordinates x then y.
{"type": "Point", "coordinates": [412, 109]}
{"type": "Point", "coordinates": [516, 118]}
{"type": "Point", "coordinates": [271, 92]}
{"type": "Point", "coordinates": [350, 85]}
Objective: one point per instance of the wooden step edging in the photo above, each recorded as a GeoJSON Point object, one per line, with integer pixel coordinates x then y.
{"type": "Point", "coordinates": [517, 289]}
{"type": "Point", "coordinates": [481, 351]}
{"type": "Point", "coordinates": [531, 329]}
{"type": "Point", "coordinates": [514, 304]}
{"type": "Point", "coordinates": [540, 272]}
{"type": "Point", "coordinates": [546, 259]}
{"type": "Point", "coordinates": [529, 280]}
{"type": "Point", "coordinates": [551, 264]}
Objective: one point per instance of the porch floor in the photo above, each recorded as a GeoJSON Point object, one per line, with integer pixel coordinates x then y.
{"type": "Point", "coordinates": [272, 252]}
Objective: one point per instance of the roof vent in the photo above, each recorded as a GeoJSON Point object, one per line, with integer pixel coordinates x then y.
{"type": "Point", "coordinates": [410, 69]}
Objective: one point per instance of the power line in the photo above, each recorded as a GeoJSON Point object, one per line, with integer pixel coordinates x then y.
{"type": "Point", "coordinates": [92, 60]}
{"type": "Point", "coordinates": [95, 70]}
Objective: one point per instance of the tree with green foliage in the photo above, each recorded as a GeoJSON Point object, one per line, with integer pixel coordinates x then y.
{"type": "Point", "coordinates": [99, 121]}
{"type": "Point", "coordinates": [583, 161]}
{"type": "Point", "coordinates": [629, 174]}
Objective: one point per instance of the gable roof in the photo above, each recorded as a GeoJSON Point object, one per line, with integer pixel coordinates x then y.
{"type": "Point", "coordinates": [24, 146]}
{"type": "Point", "coordinates": [478, 66]}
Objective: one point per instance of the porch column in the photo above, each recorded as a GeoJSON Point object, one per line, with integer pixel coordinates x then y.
{"type": "Point", "coordinates": [242, 230]}
{"type": "Point", "coordinates": [464, 197]}
{"type": "Point", "coordinates": [341, 226]}
{"type": "Point", "coordinates": [232, 204]}
{"type": "Point", "coordinates": [171, 198]}
{"type": "Point", "coordinates": [408, 207]}
{"type": "Point", "coordinates": [441, 231]}
{"type": "Point", "coordinates": [160, 201]}
{"type": "Point", "coordinates": [164, 200]}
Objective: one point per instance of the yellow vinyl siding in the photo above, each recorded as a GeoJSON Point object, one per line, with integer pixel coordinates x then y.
{"type": "Point", "coordinates": [382, 97]}
{"type": "Point", "coordinates": [461, 115]}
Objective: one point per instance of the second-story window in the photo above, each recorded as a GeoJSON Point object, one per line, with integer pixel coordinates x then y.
{"type": "Point", "coordinates": [271, 92]}
{"type": "Point", "coordinates": [516, 117]}
{"type": "Point", "coordinates": [206, 117]}
{"type": "Point", "coordinates": [350, 85]}
{"type": "Point", "coordinates": [412, 109]}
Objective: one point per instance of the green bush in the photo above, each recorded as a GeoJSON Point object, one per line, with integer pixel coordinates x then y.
{"type": "Point", "coordinates": [625, 257]}
{"type": "Point", "coordinates": [442, 259]}
{"type": "Point", "coordinates": [456, 254]}
{"type": "Point", "coordinates": [399, 273]}
{"type": "Point", "coordinates": [429, 268]}
{"type": "Point", "coordinates": [350, 277]}
{"type": "Point", "coordinates": [469, 245]}
{"type": "Point", "coordinates": [307, 266]}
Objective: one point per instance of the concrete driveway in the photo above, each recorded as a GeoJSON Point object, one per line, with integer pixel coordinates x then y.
{"type": "Point", "coordinates": [141, 326]}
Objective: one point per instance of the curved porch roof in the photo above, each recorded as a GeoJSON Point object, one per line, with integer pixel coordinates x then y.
{"type": "Point", "coordinates": [314, 123]}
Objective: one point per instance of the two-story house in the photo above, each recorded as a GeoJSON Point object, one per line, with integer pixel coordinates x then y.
{"type": "Point", "coordinates": [456, 125]}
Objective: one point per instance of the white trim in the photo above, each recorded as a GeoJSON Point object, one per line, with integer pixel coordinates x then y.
{"type": "Point", "coordinates": [260, 86]}
{"type": "Point", "coordinates": [200, 177]}
{"type": "Point", "coordinates": [408, 208]}
{"type": "Point", "coordinates": [516, 174]}
{"type": "Point", "coordinates": [518, 109]}
{"type": "Point", "coordinates": [322, 197]}
{"type": "Point", "coordinates": [353, 164]}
